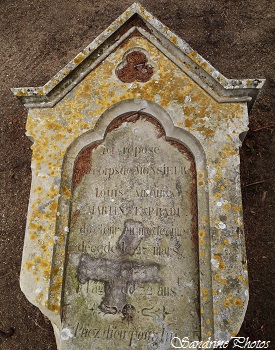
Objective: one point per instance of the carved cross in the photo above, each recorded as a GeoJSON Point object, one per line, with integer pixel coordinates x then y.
{"type": "Point", "coordinates": [119, 274]}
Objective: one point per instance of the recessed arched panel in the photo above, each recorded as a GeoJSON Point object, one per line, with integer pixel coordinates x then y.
{"type": "Point", "coordinates": [132, 251]}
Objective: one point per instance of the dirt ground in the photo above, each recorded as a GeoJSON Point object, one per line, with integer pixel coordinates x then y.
{"type": "Point", "coordinates": [39, 37]}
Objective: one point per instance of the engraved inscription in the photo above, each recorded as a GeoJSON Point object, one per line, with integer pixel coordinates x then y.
{"type": "Point", "coordinates": [131, 278]}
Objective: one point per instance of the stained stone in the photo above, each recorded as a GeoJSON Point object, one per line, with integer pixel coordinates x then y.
{"type": "Point", "coordinates": [132, 242]}
{"type": "Point", "coordinates": [134, 232]}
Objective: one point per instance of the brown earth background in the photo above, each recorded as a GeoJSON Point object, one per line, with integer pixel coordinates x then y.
{"type": "Point", "coordinates": [39, 37]}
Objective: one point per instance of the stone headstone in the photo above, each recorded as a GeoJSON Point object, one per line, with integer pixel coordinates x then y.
{"type": "Point", "coordinates": [134, 232]}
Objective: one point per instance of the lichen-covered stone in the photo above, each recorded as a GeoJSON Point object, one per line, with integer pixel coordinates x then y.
{"type": "Point", "coordinates": [198, 108]}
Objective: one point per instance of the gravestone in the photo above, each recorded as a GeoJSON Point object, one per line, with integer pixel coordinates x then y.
{"type": "Point", "coordinates": [134, 232]}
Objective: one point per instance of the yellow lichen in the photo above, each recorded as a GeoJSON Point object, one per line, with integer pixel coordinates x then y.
{"type": "Point", "coordinates": [238, 302]}
{"type": "Point", "coordinates": [188, 122]}
{"type": "Point", "coordinates": [201, 233]}
{"type": "Point", "coordinates": [226, 206]}
{"type": "Point", "coordinates": [29, 265]}
{"type": "Point", "coordinates": [66, 192]}
{"type": "Point", "coordinates": [203, 219]}
{"type": "Point", "coordinates": [226, 242]}
{"type": "Point", "coordinates": [90, 98]}
{"type": "Point", "coordinates": [174, 40]}
{"type": "Point", "coordinates": [55, 308]}
{"type": "Point", "coordinates": [237, 208]}
{"type": "Point", "coordinates": [22, 93]}
{"type": "Point", "coordinates": [228, 150]}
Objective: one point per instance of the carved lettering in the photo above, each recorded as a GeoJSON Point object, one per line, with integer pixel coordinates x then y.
{"type": "Point", "coordinates": [130, 336]}
{"type": "Point", "coordinates": [161, 212]}
{"type": "Point", "coordinates": [136, 151]}
{"type": "Point", "coordinates": [166, 291]}
{"type": "Point", "coordinates": [103, 230]}
{"type": "Point", "coordinates": [108, 150]}
{"type": "Point", "coordinates": [107, 210]}
{"type": "Point", "coordinates": [112, 193]}
{"type": "Point", "coordinates": [109, 231]}
{"type": "Point", "coordinates": [132, 268]}
{"type": "Point", "coordinates": [155, 193]}
{"type": "Point", "coordinates": [162, 170]}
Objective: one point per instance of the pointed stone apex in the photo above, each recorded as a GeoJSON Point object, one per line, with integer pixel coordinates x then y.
{"type": "Point", "coordinates": [194, 65]}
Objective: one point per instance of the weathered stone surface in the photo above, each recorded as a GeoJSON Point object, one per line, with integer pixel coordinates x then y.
{"type": "Point", "coordinates": [132, 242]}
{"type": "Point", "coordinates": [72, 121]}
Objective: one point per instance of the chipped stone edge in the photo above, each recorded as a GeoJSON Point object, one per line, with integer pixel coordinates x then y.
{"type": "Point", "coordinates": [201, 71]}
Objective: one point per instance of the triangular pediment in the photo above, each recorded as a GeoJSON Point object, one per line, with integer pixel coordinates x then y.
{"type": "Point", "coordinates": [136, 21]}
